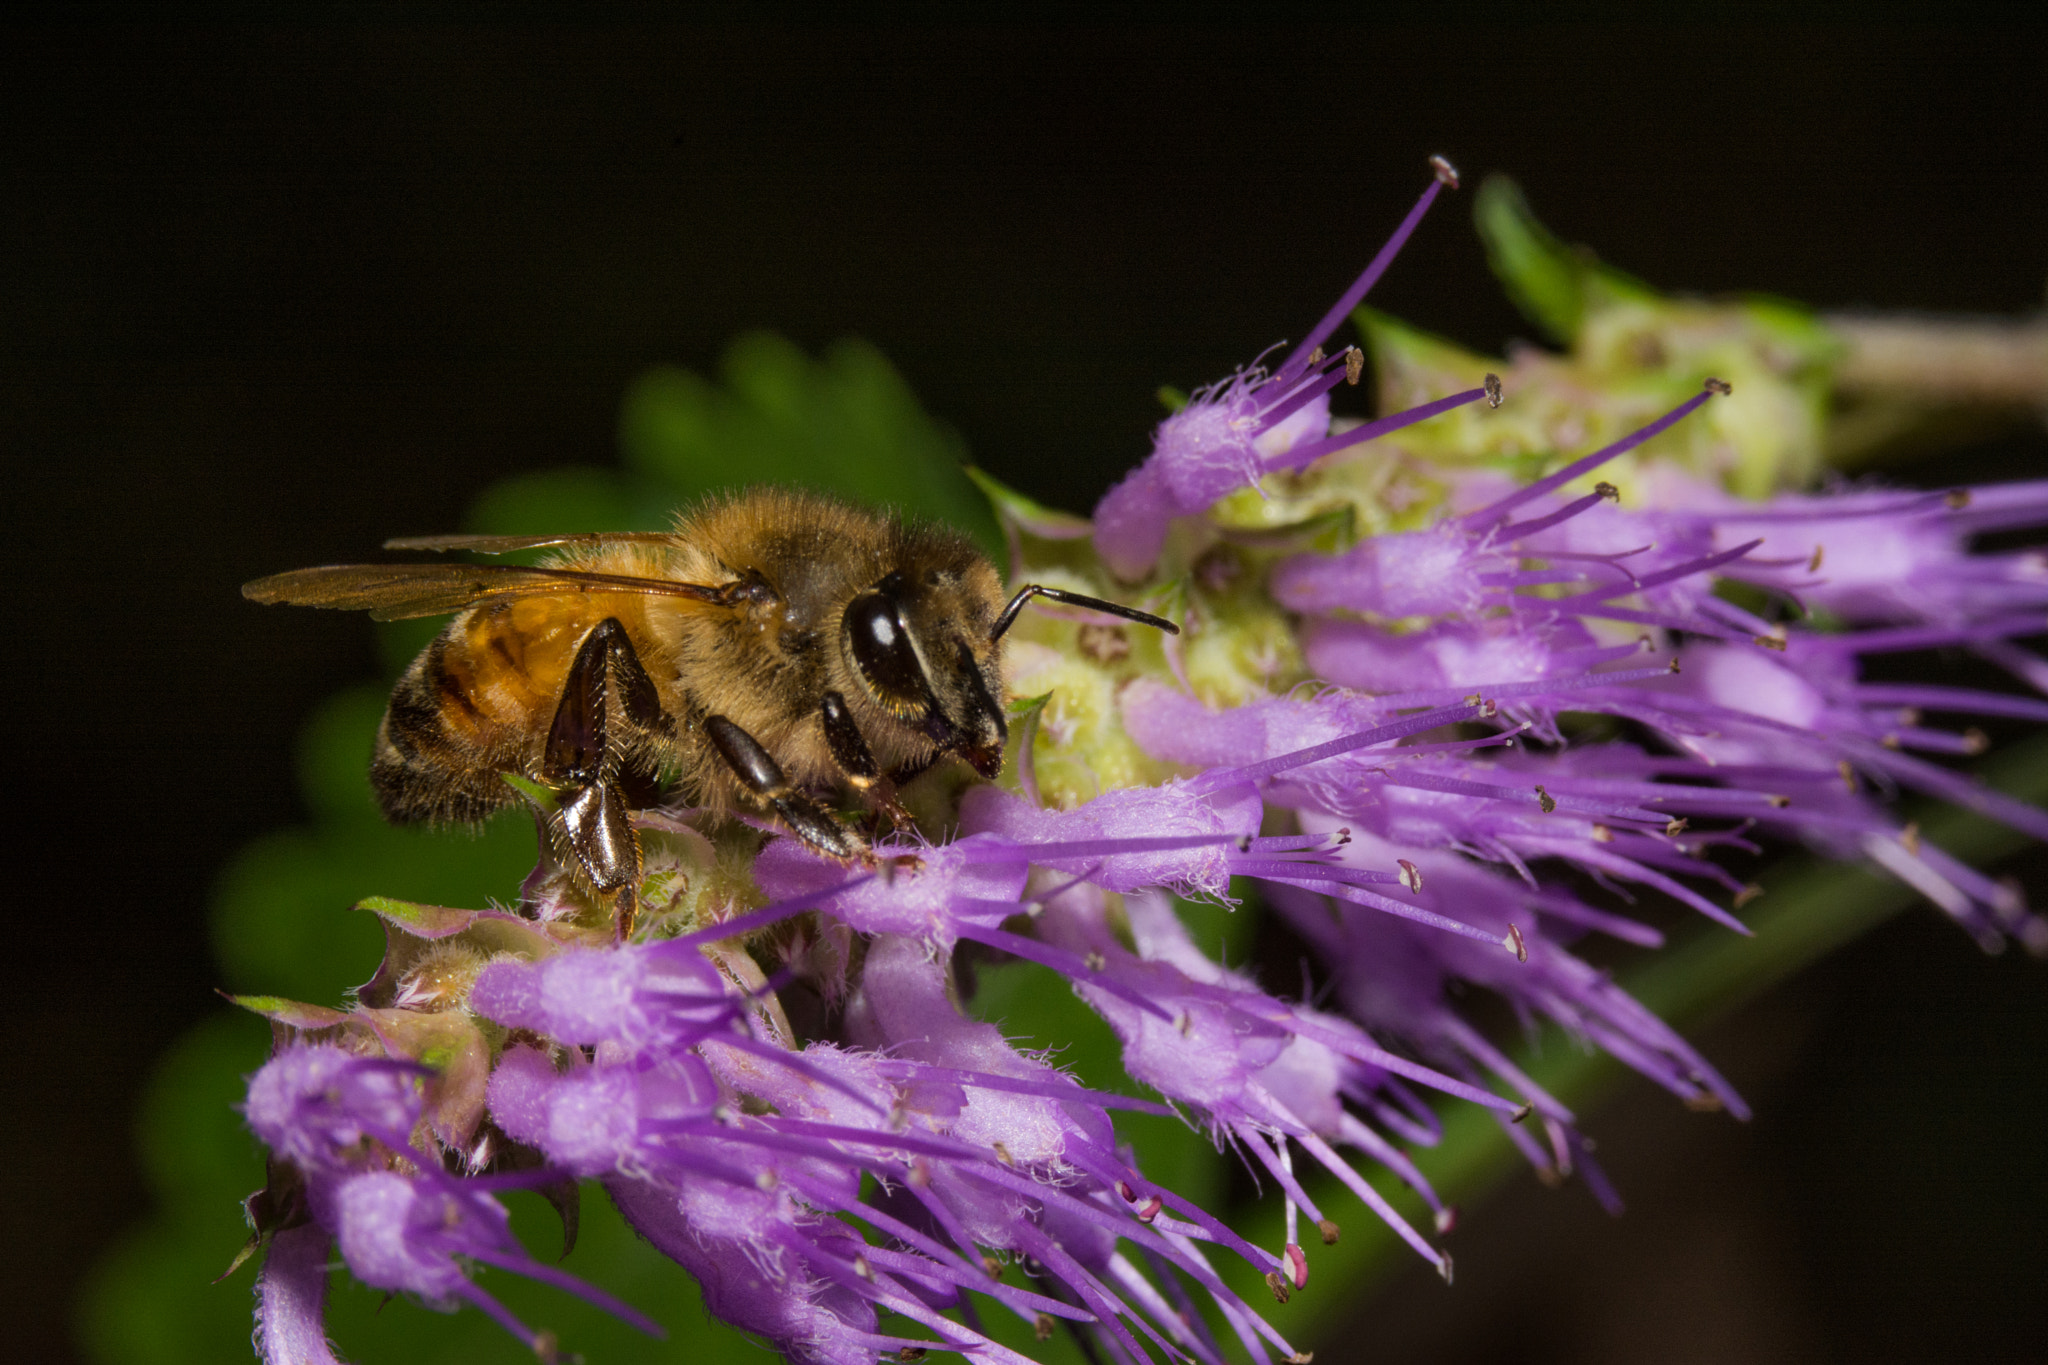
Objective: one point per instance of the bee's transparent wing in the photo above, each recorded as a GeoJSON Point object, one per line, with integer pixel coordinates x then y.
{"type": "Point", "coordinates": [500, 545]}
{"type": "Point", "coordinates": [398, 592]}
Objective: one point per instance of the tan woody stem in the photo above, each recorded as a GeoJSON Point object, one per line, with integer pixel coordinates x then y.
{"type": "Point", "coordinates": [1969, 361]}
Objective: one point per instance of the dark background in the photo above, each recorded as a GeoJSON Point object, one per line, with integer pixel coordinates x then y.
{"type": "Point", "coordinates": [268, 295]}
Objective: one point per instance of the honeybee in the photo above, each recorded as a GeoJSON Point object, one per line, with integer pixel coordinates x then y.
{"type": "Point", "coordinates": [774, 648]}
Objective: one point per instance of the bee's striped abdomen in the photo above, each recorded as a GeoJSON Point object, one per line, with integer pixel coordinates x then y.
{"type": "Point", "coordinates": [439, 753]}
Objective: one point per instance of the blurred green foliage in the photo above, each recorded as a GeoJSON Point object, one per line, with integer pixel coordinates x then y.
{"type": "Point", "coordinates": [844, 424]}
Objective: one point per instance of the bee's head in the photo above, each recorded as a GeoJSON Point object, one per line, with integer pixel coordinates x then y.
{"type": "Point", "coordinates": [919, 640]}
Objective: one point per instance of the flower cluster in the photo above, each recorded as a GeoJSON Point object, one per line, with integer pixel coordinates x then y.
{"type": "Point", "coordinates": [1437, 713]}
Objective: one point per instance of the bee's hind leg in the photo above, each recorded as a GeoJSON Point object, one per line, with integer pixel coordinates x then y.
{"type": "Point", "coordinates": [760, 774]}
{"type": "Point", "coordinates": [581, 758]}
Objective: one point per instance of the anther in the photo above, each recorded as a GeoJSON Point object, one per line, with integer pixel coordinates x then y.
{"type": "Point", "coordinates": [1776, 642]}
{"type": "Point", "coordinates": [1446, 1220]}
{"type": "Point", "coordinates": [1747, 894]}
{"type": "Point", "coordinates": [1443, 1265]}
{"type": "Point", "coordinates": [1517, 945]}
{"type": "Point", "coordinates": [1297, 1264]}
{"type": "Point", "coordinates": [1446, 173]}
{"type": "Point", "coordinates": [1315, 357]}
{"type": "Point", "coordinates": [1002, 1153]}
{"type": "Point", "coordinates": [1957, 498]}
{"type": "Point", "coordinates": [1975, 741]}
{"type": "Point", "coordinates": [1123, 1188]}
{"type": "Point", "coordinates": [1675, 826]}
{"type": "Point", "coordinates": [1674, 663]}
{"type": "Point", "coordinates": [1522, 1113]}
{"type": "Point", "coordinates": [1354, 366]}
{"type": "Point", "coordinates": [1819, 553]}
{"type": "Point", "coordinates": [1607, 490]}
{"type": "Point", "coordinates": [1848, 774]}
{"type": "Point", "coordinates": [992, 1266]}
{"type": "Point", "coordinates": [1411, 875]}
{"type": "Point", "coordinates": [1545, 799]}
{"type": "Point", "coordinates": [1706, 1102]}
{"type": "Point", "coordinates": [1281, 1293]}
{"type": "Point", "coordinates": [862, 1268]}
{"type": "Point", "coordinates": [1096, 962]}
{"type": "Point", "coordinates": [1041, 1327]}
{"type": "Point", "coordinates": [1909, 838]}
{"type": "Point", "coordinates": [1149, 1210]}
{"type": "Point", "coordinates": [1720, 386]}
{"type": "Point", "coordinates": [1494, 397]}
{"type": "Point", "coordinates": [910, 1353]}
{"type": "Point", "coordinates": [1330, 1231]}
{"type": "Point", "coordinates": [1602, 835]}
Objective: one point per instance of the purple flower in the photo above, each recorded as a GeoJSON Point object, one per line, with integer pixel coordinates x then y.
{"type": "Point", "coordinates": [345, 1122]}
{"type": "Point", "coordinates": [1233, 433]}
{"type": "Point", "coordinates": [1519, 703]}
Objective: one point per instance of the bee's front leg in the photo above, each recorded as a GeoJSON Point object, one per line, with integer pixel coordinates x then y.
{"type": "Point", "coordinates": [761, 775]}
{"type": "Point", "coordinates": [581, 758]}
{"type": "Point", "coordinates": [856, 762]}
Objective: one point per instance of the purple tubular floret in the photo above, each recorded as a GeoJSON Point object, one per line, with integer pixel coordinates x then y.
{"type": "Point", "coordinates": [1308, 453]}
{"type": "Point", "coordinates": [1452, 749]}
{"type": "Point", "coordinates": [1360, 287]}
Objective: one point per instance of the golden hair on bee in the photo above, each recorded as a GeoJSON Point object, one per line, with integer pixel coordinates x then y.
{"type": "Point", "coordinates": [773, 649]}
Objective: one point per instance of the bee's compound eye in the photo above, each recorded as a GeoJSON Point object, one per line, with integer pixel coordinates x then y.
{"type": "Point", "coordinates": [883, 653]}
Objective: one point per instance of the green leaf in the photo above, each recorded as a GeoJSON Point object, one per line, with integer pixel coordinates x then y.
{"type": "Point", "coordinates": [1553, 284]}
{"type": "Point", "coordinates": [845, 424]}
{"type": "Point", "coordinates": [1539, 272]}
{"type": "Point", "coordinates": [148, 1301]}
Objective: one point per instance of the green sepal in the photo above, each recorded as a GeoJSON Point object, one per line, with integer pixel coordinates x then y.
{"type": "Point", "coordinates": [539, 794]}
{"type": "Point", "coordinates": [1331, 533]}
{"type": "Point", "coordinates": [421, 921]}
{"type": "Point", "coordinates": [1020, 767]}
{"type": "Point", "coordinates": [454, 1048]}
{"type": "Point", "coordinates": [1016, 512]}
{"type": "Point", "coordinates": [464, 939]}
{"type": "Point", "coordinates": [291, 1013]}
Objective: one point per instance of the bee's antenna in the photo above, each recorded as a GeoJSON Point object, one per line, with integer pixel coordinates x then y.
{"type": "Point", "coordinates": [1074, 599]}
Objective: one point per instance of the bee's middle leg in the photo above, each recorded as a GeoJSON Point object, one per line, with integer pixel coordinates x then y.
{"type": "Point", "coordinates": [581, 757]}
{"type": "Point", "coordinates": [760, 774]}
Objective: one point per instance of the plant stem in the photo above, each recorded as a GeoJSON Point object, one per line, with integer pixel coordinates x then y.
{"type": "Point", "coordinates": [1945, 361]}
